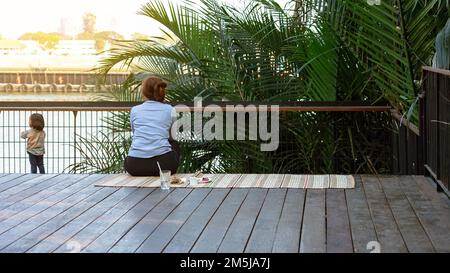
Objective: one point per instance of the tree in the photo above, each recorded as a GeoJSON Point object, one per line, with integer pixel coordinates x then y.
{"type": "Point", "coordinates": [330, 50]}
{"type": "Point", "coordinates": [89, 21]}
{"type": "Point", "coordinates": [85, 36]}
{"type": "Point", "coordinates": [392, 41]}
{"type": "Point", "coordinates": [103, 37]}
{"type": "Point", "coordinates": [254, 54]}
{"type": "Point", "coordinates": [45, 40]}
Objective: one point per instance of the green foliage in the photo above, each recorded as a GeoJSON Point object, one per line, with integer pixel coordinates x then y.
{"type": "Point", "coordinates": [323, 51]}
{"type": "Point", "coordinates": [89, 21]}
{"type": "Point", "coordinates": [392, 41]}
{"type": "Point", "coordinates": [85, 36]}
{"type": "Point", "coordinates": [45, 40]}
{"type": "Point", "coordinates": [102, 153]}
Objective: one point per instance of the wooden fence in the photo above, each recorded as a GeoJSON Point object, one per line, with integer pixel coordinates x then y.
{"type": "Point", "coordinates": [426, 149]}
{"type": "Point", "coordinates": [435, 123]}
{"type": "Point", "coordinates": [407, 147]}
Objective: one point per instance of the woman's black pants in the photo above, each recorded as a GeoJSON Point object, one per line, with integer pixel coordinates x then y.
{"type": "Point", "coordinates": [148, 167]}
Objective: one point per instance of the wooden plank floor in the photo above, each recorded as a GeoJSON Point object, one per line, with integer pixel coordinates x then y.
{"type": "Point", "coordinates": [67, 213]}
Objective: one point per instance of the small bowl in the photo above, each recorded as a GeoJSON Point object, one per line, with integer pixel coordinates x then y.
{"type": "Point", "coordinates": [193, 181]}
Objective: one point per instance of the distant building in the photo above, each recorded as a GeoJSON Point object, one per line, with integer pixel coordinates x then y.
{"type": "Point", "coordinates": [77, 55]}
{"type": "Point", "coordinates": [63, 26]}
{"type": "Point", "coordinates": [75, 47]}
{"type": "Point", "coordinates": [31, 47]}
{"type": "Point", "coordinates": [19, 47]}
{"type": "Point", "coordinates": [62, 48]}
{"type": "Point", "coordinates": [11, 47]}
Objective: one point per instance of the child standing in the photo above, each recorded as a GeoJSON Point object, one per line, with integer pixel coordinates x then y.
{"type": "Point", "coordinates": [35, 143]}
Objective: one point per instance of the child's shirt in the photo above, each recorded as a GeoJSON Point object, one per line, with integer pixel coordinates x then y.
{"type": "Point", "coordinates": [35, 143]}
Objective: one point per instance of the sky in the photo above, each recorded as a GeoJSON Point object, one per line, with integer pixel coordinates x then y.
{"type": "Point", "coordinates": [21, 16]}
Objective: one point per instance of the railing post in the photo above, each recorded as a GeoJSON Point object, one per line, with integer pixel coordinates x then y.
{"type": "Point", "coordinates": [75, 113]}
{"type": "Point", "coordinates": [422, 143]}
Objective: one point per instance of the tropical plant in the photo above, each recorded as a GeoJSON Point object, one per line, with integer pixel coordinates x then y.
{"type": "Point", "coordinates": [323, 51]}
{"type": "Point", "coordinates": [97, 150]}
{"type": "Point", "coordinates": [393, 40]}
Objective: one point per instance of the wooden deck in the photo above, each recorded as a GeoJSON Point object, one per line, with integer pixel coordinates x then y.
{"type": "Point", "coordinates": [66, 213]}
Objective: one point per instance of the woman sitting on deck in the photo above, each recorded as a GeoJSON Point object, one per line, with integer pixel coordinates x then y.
{"type": "Point", "coordinates": [150, 123]}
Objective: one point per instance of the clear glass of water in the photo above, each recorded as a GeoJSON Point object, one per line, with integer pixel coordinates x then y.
{"type": "Point", "coordinates": [164, 177]}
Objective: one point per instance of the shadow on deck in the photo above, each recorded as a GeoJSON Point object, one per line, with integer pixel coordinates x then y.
{"type": "Point", "coordinates": [66, 213]}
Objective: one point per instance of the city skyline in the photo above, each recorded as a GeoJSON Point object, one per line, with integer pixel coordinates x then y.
{"type": "Point", "coordinates": [22, 16]}
{"type": "Point", "coordinates": [66, 16]}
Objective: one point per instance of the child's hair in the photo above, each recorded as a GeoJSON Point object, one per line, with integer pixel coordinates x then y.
{"type": "Point", "coordinates": [153, 88]}
{"type": "Point", "coordinates": [37, 121]}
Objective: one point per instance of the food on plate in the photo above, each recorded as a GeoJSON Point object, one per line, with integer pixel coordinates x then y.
{"type": "Point", "coordinates": [175, 180]}
{"type": "Point", "coordinates": [204, 180]}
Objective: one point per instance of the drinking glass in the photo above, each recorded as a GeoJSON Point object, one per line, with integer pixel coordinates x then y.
{"type": "Point", "coordinates": [164, 177]}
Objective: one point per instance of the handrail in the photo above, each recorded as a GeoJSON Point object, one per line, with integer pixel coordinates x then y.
{"type": "Point", "coordinates": [355, 106]}
{"type": "Point", "coordinates": [434, 128]}
{"type": "Point", "coordinates": [437, 70]}
{"type": "Point", "coordinates": [405, 122]}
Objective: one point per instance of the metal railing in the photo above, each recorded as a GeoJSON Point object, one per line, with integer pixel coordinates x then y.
{"type": "Point", "coordinates": [63, 129]}
{"type": "Point", "coordinates": [435, 125]}
{"type": "Point", "coordinates": [407, 147]}
{"type": "Point", "coordinates": [68, 122]}
{"type": "Point", "coordinates": [426, 149]}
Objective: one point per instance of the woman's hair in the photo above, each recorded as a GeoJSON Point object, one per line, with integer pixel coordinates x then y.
{"type": "Point", "coordinates": [153, 88]}
{"type": "Point", "coordinates": [37, 121]}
